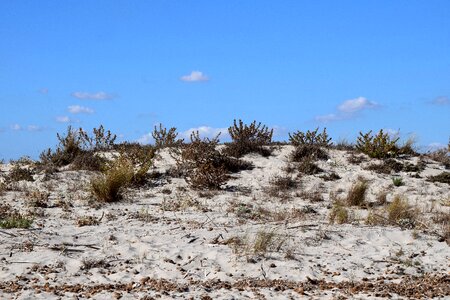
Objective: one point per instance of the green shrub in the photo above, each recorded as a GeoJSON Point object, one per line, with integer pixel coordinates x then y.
{"type": "Point", "coordinates": [249, 139]}
{"type": "Point", "coordinates": [164, 138]}
{"type": "Point", "coordinates": [15, 221]}
{"type": "Point", "coordinates": [110, 186]}
{"type": "Point", "coordinates": [378, 146]}
{"type": "Point", "coordinates": [310, 138]}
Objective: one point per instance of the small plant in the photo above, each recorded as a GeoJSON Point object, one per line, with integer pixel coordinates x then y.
{"type": "Point", "coordinates": [267, 240]}
{"type": "Point", "coordinates": [248, 138]}
{"type": "Point", "coordinates": [378, 146]}
{"type": "Point", "coordinates": [15, 221]}
{"type": "Point", "coordinates": [312, 138]}
{"type": "Point", "coordinates": [87, 221]}
{"type": "Point", "coordinates": [280, 185]}
{"type": "Point", "coordinates": [397, 181]}
{"type": "Point", "coordinates": [164, 138]}
{"type": "Point", "coordinates": [356, 196]}
{"type": "Point", "coordinates": [110, 186]}
{"type": "Point", "coordinates": [37, 198]}
{"type": "Point", "coordinates": [339, 214]}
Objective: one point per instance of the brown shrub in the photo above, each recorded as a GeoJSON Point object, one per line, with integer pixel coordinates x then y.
{"type": "Point", "coordinates": [444, 177]}
{"type": "Point", "coordinates": [311, 138]}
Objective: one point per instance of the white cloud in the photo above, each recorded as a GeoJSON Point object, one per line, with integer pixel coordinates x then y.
{"type": "Point", "coordinates": [194, 76]}
{"type": "Point", "coordinates": [43, 91]}
{"type": "Point", "coordinates": [92, 96]}
{"type": "Point", "coordinates": [348, 109]}
{"type": "Point", "coordinates": [16, 127]}
{"type": "Point", "coordinates": [355, 105]}
{"type": "Point", "coordinates": [146, 139]}
{"type": "Point", "coordinates": [206, 132]}
{"type": "Point", "coordinates": [444, 100]}
{"type": "Point", "coordinates": [328, 118]}
{"type": "Point", "coordinates": [77, 109]}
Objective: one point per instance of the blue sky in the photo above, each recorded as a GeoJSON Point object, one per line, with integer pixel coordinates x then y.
{"type": "Point", "coordinates": [293, 65]}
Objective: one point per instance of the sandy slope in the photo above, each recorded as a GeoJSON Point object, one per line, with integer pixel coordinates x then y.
{"type": "Point", "coordinates": [169, 241]}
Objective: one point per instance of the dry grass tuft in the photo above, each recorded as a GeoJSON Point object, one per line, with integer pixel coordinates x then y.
{"type": "Point", "coordinates": [356, 196]}
{"type": "Point", "coordinates": [339, 214]}
{"type": "Point", "coordinates": [110, 186]}
{"type": "Point", "coordinates": [401, 213]}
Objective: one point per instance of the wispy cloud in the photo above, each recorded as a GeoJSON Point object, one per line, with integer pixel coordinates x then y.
{"type": "Point", "coordinates": [93, 96]}
{"type": "Point", "coordinates": [443, 100]}
{"type": "Point", "coordinates": [17, 127]}
{"type": "Point", "coordinates": [195, 76]}
{"type": "Point", "coordinates": [66, 119]}
{"type": "Point", "coordinates": [77, 109]}
{"type": "Point", "coordinates": [43, 91]}
{"type": "Point", "coordinates": [348, 109]}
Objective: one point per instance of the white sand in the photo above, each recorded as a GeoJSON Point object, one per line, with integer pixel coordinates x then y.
{"type": "Point", "coordinates": [179, 245]}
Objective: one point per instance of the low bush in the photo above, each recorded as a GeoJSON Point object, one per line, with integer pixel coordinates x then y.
{"type": "Point", "coordinates": [310, 152]}
{"type": "Point", "coordinates": [441, 156]}
{"type": "Point", "coordinates": [378, 146]}
{"type": "Point", "coordinates": [140, 156]}
{"type": "Point", "coordinates": [308, 166]}
{"type": "Point", "coordinates": [109, 187]}
{"type": "Point", "coordinates": [248, 139]}
{"type": "Point", "coordinates": [77, 146]}
{"type": "Point", "coordinates": [444, 177]}
{"type": "Point", "coordinates": [19, 173]}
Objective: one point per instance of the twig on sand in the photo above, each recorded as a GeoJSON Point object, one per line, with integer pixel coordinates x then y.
{"type": "Point", "coordinates": [8, 233]}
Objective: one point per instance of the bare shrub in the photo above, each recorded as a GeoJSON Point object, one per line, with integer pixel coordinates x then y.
{"type": "Point", "coordinates": [164, 138]}
{"type": "Point", "coordinates": [101, 140]}
{"type": "Point", "coordinates": [36, 198]}
{"type": "Point", "coordinates": [333, 176]}
{"type": "Point", "coordinates": [109, 187]}
{"type": "Point", "coordinates": [312, 138]}
{"type": "Point", "coordinates": [249, 139]}
{"type": "Point", "coordinates": [308, 166]}
{"type": "Point", "coordinates": [378, 146]}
